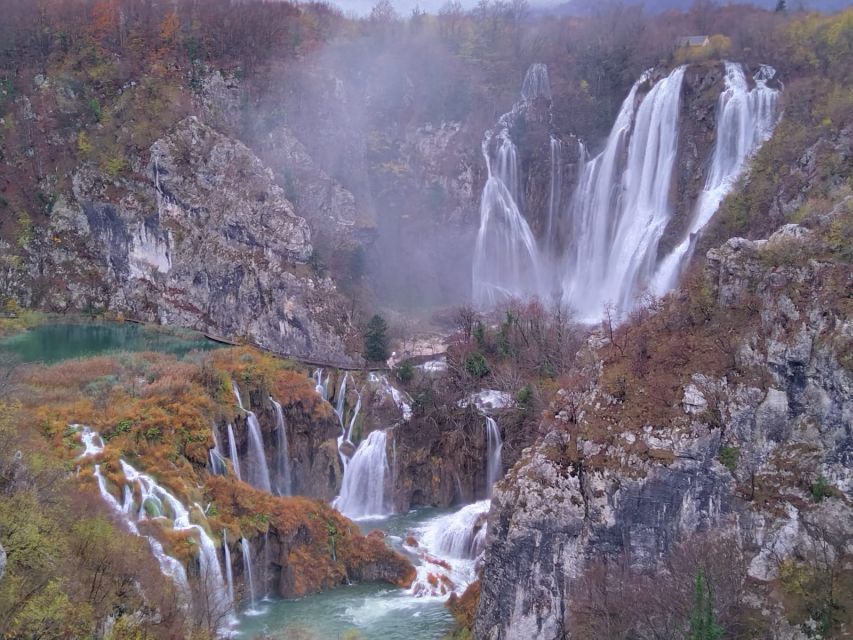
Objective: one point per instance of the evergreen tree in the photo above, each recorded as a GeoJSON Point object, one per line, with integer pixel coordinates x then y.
{"type": "Point", "coordinates": [702, 625]}
{"type": "Point", "coordinates": [781, 5]}
{"type": "Point", "coordinates": [376, 340]}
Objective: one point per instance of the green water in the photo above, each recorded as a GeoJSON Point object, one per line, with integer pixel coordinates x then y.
{"type": "Point", "coordinates": [52, 343]}
{"type": "Point", "coordinates": [373, 611]}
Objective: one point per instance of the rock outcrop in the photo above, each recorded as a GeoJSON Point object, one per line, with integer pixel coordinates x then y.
{"type": "Point", "coordinates": [742, 452]}
{"type": "Point", "coordinates": [200, 237]}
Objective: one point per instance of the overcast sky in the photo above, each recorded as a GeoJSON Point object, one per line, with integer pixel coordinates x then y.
{"type": "Point", "coordinates": [404, 7]}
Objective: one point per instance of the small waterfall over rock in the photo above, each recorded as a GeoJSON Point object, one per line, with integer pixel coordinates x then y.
{"type": "Point", "coordinates": [745, 120]}
{"type": "Point", "coordinates": [156, 502]}
{"type": "Point", "coordinates": [622, 204]}
{"type": "Point", "coordinates": [536, 83]}
{"type": "Point", "coordinates": [257, 471]}
{"type": "Point", "coordinates": [460, 535]}
{"type": "Point", "coordinates": [494, 447]}
{"type": "Point", "coordinates": [217, 459]}
{"type": "Point", "coordinates": [363, 491]}
{"type": "Point", "coordinates": [321, 385]}
{"type": "Point", "coordinates": [402, 400]}
{"type": "Point", "coordinates": [248, 575]}
{"type": "Point", "coordinates": [284, 481]}
{"type": "Point", "coordinates": [229, 571]}
{"type": "Point", "coordinates": [232, 448]}
{"type": "Point", "coordinates": [448, 548]}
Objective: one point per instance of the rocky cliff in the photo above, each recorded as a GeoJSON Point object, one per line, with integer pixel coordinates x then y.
{"type": "Point", "coordinates": [749, 438]}
{"type": "Point", "coordinates": [198, 236]}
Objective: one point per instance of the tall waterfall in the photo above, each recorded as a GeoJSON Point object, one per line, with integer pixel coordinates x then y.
{"type": "Point", "coordinates": [494, 447]}
{"type": "Point", "coordinates": [248, 574]}
{"type": "Point", "coordinates": [506, 256]}
{"type": "Point", "coordinates": [257, 473]}
{"type": "Point", "coordinates": [745, 120]}
{"type": "Point", "coordinates": [232, 449]}
{"type": "Point", "coordinates": [603, 246]}
{"type": "Point", "coordinates": [364, 492]}
{"type": "Point", "coordinates": [621, 207]}
{"type": "Point", "coordinates": [284, 483]}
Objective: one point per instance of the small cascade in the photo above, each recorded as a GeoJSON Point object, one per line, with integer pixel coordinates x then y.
{"type": "Point", "coordinates": [355, 411]}
{"type": "Point", "coordinates": [284, 482]}
{"type": "Point", "coordinates": [340, 405]}
{"type": "Point", "coordinates": [229, 571]}
{"type": "Point", "coordinates": [745, 120]}
{"type": "Point", "coordinates": [494, 446]}
{"type": "Point", "coordinates": [91, 440]}
{"type": "Point", "coordinates": [448, 548]}
{"type": "Point", "coordinates": [321, 385]}
{"type": "Point", "coordinates": [217, 459]}
{"type": "Point", "coordinates": [266, 576]}
{"type": "Point", "coordinates": [249, 576]}
{"type": "Point", "coordinates": [257, 473]}
{"type": "Point", "coordinates": [460, 535]}
{"type": "Point", "coordinates": [156, 502]}
{"type": "Point", "coordinates": [211, 573]}
{"type": "Point", "coordinates": [232, 447]}
{"type": "Point", "coordinates": [403, 401]}
{"type": "Point", "coordinates": [363, 491]}
{"type": "Point", "coordinates": [536, 83]}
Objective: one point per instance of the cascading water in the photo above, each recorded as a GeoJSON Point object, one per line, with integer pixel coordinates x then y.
{"type": "Point", "coordinates": [506, 257]}
{"type": "Point", "coordinates": [605, 243]}
{"type": "Point", "coordinates": [745, 120]}
{"type": "Point", "coordinates": [217, 459]}
{"type": "Point", "coordinates": [229, 571]}
{"type": "Point", "coordinates": [284, 481]}
{"type": "Point", "coordinates": [248, 575]}
{"type": "Point", "coordinates": [211, 572]}
{"type": "Point", "coordinates": [156, 502]}
{"type": "Point", "coordinates": [460, 535]}
{"type": "Point", "coordinates": [257, 472]}
{"type": "Point", "coordinates": [364, 491]}
{"type": "Point", "coordinates": [494, 447]}
{"type": "Point", "coordinates": [232, 448]}
{"type": "Point", "coordinates": [536, 83]}
{"type": "Point", "coordinates": [555, 194]}
{"type": "Point", "coordinates": [619, 212]}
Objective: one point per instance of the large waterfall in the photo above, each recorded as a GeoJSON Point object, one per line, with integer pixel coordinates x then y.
{"type": "Point", "coordinates": [603, 247]}
{"type": "Point", "coordinates": [745, 120]}
{"type": "Point", "coordinates": [364, 491]}
{"type": "Point", "coordinates": [620, 211]}
{"type": "Point", "coordinates": [248, 575]}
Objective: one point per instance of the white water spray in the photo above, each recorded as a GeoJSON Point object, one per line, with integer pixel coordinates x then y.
{"type": "Point", "coordinates": [257, 472]}
{"type": "Point", "coordinates": [282, 456]}
{"type": "Point", "coordinates": [363, 491]}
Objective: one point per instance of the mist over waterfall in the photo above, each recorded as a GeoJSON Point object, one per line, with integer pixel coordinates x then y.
{"type": "Point", "coordinates": [363, 492]}
{"type": "Point", "coordinates": [745, 120]}
{"type": "Point", "coordinates": [506, 256]}
{"type": "Point", "coordinates": [601, 245]}
{"type": "Point", "coordinates": [618, 217]}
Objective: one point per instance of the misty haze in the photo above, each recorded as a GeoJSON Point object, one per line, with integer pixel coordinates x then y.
{"type": "Point", "coordinates": [426, 320]}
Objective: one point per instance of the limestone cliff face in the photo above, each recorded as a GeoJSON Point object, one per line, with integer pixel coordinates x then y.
{"type": "Point", "coordinates": [201, 237]}
{"type": "Point", "coordinates": [586, 493]}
